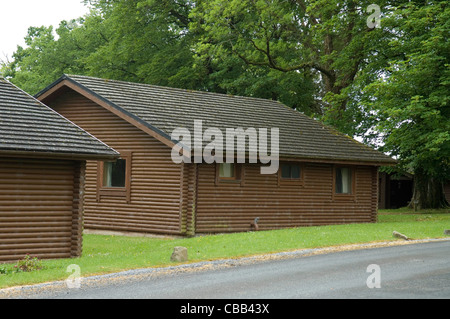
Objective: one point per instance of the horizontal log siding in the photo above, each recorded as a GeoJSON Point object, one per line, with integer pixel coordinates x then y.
{"type": "Point", "coordinates": [231, 207]}
{"type": "Point", "coordinates": [447, 191]}
{"type": "Point", "coordinates": [37, 209]}
{"type": "Point", "coordinates": [189, 196]}
{"type": "Point", "coordinates": [78, 208]}
{"type": "Point", "coordinates": [154, 205]}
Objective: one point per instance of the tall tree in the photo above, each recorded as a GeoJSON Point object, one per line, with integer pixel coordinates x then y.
{"type": "Point", "coordinates": [154, 42]}
{"type": "Point", "coordinates": [148, 41]}
{"type": "Point", "coordinates": [141, 41]}
{"type": "Point", "coordinates": [409, 104]}
{"type": "Point", "coordinates": [46, 57]}
{"type": "Point", "coordinates": [326, 41]}
{"type": "Point", "coordinates": [151, 42]}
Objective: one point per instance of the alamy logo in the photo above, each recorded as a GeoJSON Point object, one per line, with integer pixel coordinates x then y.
{"type": "Point", "coordinates": [374, 20]}
{"type": "Point", "coordinates": [233, 145]}
{"type": "Point", "coordinates": [74, 280]}
{"type": "Point", "coordinates": [374, 280]}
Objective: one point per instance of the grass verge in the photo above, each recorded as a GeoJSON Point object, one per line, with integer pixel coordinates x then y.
{"type": "Point", "coordinates": [107, 254]}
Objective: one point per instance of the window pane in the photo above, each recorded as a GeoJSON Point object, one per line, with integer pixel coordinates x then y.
{"type": "Point", "coordinates": [226, 170]}
{"type": "Point", "coordinates": [289, 171]}
{"type": "Point", "coordinates": [343, 181]}
{"type": "Point", "coordinates": [114, 173]}
{"type": "Point", "coordinates": [107, 170]}
{"type": "Point", "coordinates": [346, 181]}
{"type": "Point", "coordinates": [285, 171]}
{"type": "Point", "coordinates": [338, 181]}
{"type": "Point", "coordinates": [295, 172]}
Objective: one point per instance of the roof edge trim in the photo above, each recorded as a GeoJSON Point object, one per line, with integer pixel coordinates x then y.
{"type": "Point", "coordinates": [57, 155]}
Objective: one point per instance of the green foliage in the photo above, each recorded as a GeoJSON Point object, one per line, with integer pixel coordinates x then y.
{"type": "Point", "coordinates": [155, 42]}
{"type": "Point", "coordinates": [325, 45]}
{"type": "Point", "coordinates": [410, 104]}
{"type": "Point", "coordinates": [4, 270]}
{"type": "Point", "coordinates": [130, 40]}
{"type": "Point", "coordinates": [28, 264]}
{"type": "Point", "coordinates": [146, 42]}
{"type": "Point", "coordinates": [45, 59]}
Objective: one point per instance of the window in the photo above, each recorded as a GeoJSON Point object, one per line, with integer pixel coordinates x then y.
{"type": "Point", "coordinates": [114, 173]}
{"type": "Point", "coordinates": [227, 171]}
{"type": "Point", "coordinates": [344, 180]}
{"type": "Point", "coordinates": [290, 171]}
{"type": "Point", "coordinates": [114, 178]}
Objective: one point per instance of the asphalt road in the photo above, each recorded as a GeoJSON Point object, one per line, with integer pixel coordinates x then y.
{"type": "Point", "coordinates": [418, 271]}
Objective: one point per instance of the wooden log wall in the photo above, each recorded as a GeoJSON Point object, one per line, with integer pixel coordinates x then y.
{"type": "Point", "coordinates": [38, 214]}
{"type": "Point", "coordinates": [231, 207]}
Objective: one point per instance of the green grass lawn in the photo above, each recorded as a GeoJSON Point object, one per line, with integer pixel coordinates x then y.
{"type": "Point", "coordinates": [106, 254]}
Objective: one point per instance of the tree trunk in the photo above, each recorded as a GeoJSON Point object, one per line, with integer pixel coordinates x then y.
{"type": "Point", "coordinates": [428, 192]}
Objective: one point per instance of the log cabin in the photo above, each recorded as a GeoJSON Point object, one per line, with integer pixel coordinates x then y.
{"type": "Point", "coordinates": [42, 164]}
{"type": "Point", "coordinates": [395, 190]}
{"type": "Point", "coordinates": [324, 177]}
{"type": "Point", "coordinates": [447, 191]}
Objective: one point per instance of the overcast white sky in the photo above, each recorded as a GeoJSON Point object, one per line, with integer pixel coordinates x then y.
{"type": "Point", "coordinates": [16, 16]}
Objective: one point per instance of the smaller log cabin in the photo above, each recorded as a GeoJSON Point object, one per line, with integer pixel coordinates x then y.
{"type": "Point", "coordinates": [447, 191]}
{"type": "Point", "coordinates": [42, 169]}
{"type": "Point", "coordinates": [395, 190]}
{"type": "Point", "coordinates": [324, 178]}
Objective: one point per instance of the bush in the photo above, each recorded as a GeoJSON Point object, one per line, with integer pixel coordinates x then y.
{"type": "Point", "coordinates": [5, 271]}
{"type": "Point", "coordinates": [28, 264]}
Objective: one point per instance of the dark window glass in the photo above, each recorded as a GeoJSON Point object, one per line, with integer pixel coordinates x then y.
{"type": "Point", "coordinates": [285, 171]}
{"type": "Point", "coordinates": [289, 171]}
{"type": "Point", "coordinates": [343, 181]}
{"type": "Point", "coordinates": [114, 173]}
{"type": "Point", "coordinates": [295, 172]}
{"type": "Point", "coordinates": [338, 181]}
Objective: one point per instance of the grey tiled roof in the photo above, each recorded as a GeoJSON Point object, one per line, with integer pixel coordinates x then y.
{"type": "Point", "coordinates": [165, 109]}
{"type": "Point", "coordinates": [27, 125]}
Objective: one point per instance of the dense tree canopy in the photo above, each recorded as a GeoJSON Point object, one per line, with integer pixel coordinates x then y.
{"type": "Point", "coordinates": [387, 84]}
{"type": "Point", "coordinates": [327, 42]}
{"type": "Point", "coordinates": [410, 104]}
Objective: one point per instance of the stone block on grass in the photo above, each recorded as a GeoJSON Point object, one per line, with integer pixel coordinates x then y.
{"type": "Point", "coordinates": [180, 254]}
